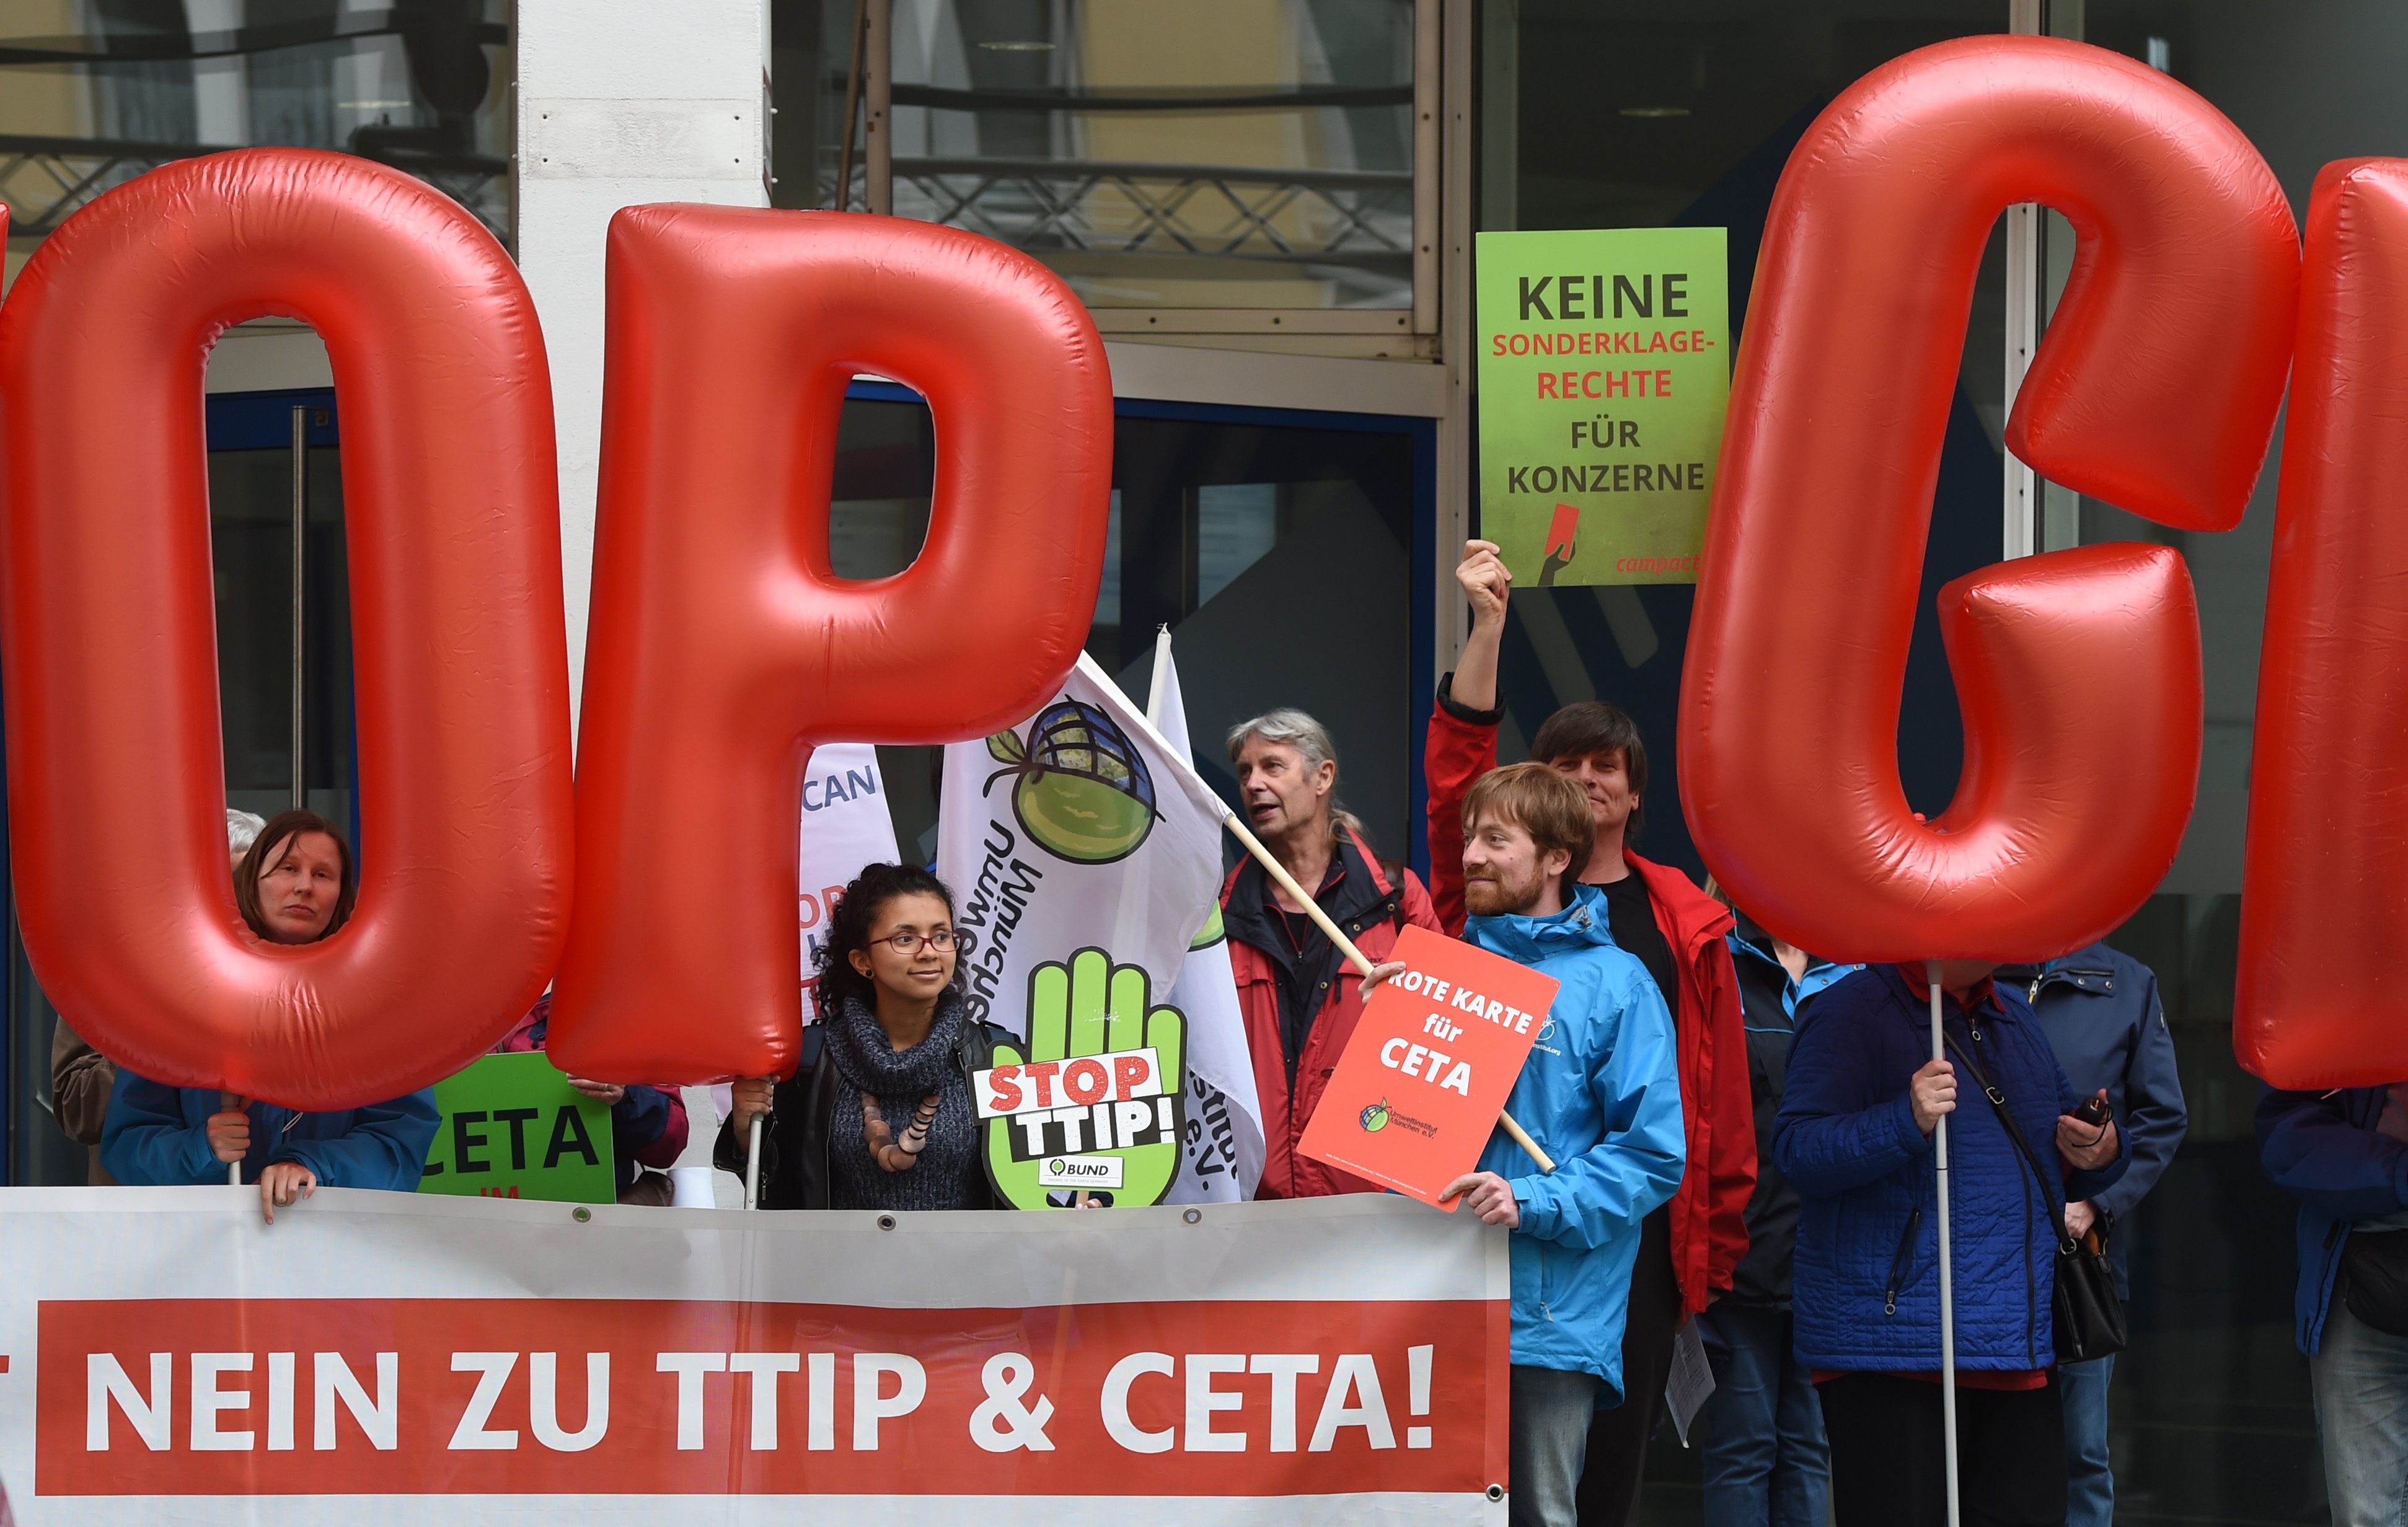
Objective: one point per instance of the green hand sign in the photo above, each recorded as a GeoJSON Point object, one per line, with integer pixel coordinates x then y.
{"type": "Point", "coordinates": [1092, 1007]}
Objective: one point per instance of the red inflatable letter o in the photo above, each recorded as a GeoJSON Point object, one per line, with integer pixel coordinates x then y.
{"type": "Point", "coordinates": [2323, 912]}
{"type": "Point", "coordinates": [116, 783]}
{"type": "Point", "coordinates": [723, 643]}
{"type": "Point", "coordinates": [2078, 672]}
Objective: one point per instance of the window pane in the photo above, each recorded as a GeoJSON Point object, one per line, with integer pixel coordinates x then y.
{"type": "Point", "coordinates": [424, 88]}
{"type": "Point", "coordinates": [1175, 153]}
{"type": "Point", "coordinates": [1235, 525]}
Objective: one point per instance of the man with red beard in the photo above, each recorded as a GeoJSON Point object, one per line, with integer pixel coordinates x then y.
{"type": "Point", "coordinates": [1598, 1094]}
{"type": "Point", "coordinates": [1691, 1248]}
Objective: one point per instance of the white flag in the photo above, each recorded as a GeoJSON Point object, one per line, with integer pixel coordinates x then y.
{"type": "Point", "coordinates": [846, 825]}
{"type": "Point", "coordinates": [1076, 829]}
{"type": "Point", "coordinates": [1224, 1113]}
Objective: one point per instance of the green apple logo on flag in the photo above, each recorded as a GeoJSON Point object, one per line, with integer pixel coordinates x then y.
{"type": "Point", "coordinates": [1082, 790]}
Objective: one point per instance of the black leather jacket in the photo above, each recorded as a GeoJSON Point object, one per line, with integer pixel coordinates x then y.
{"type": "Point", "coordinates": [796, 1138]}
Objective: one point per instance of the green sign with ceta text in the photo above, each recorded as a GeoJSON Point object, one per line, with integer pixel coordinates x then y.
{"type": "Point", "coordinates": [1604, 377]}
{"type": "Point", "coordinates": [513, 1127]}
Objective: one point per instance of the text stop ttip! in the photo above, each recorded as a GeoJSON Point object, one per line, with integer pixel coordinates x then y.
{"type": "Point", "coordinates": [1085, 1103]}
{"type": "Point", "coordinates": [536, 1397]}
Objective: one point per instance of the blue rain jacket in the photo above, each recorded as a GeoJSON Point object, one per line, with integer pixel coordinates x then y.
{"type": "Point", "coordinates": [157, 1137]}
{"type": "Point", "coordinates": [1601, 1094]}
{"type": "Point", "coordinates": [2322, 1149]}
{"type": "Point", "coordinates": [1865, 1289]}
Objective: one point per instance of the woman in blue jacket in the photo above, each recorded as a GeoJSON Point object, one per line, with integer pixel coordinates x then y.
{"type": "Point", "coordinates": [294, 887]}
{"type": "Point", "coordinates": [1854, 1138]}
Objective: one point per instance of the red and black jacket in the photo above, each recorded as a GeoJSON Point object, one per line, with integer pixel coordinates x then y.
{"type": "Point", "coordinates": [1301, 1009]}
{"type": "Point", "coordinates": [1710, 1211]}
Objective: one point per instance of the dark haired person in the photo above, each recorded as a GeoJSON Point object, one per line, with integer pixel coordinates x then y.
{"type": "Point", "coordinates": [1691, 1248]}
{"type": "Point", "coordinates": [2101, 1011]}
{"type": "Point", "coordinates": [1598, 1094]}
{"type": "Point", "coordinates": [1853, 1136]}
{"type": "Point", "coordinates": [2342, 1154]}
{"type": "Point", "coordinates": [879, 1115]}
{"type": "Point", "coordinates": [296, 886]}
{"type": "Point", "coordinates": [1299, 996]}
{"type": "Point", "coordinates": [1767, 1462]}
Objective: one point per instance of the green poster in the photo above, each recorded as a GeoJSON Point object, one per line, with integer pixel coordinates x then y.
{"type": "Point", "coordinates": [513, 1127]}
{"type": "Point", "coordinates": [1604, 374]}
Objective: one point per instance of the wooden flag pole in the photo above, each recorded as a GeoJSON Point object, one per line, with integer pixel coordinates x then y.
{"type": "Point", "coordinates": [1356, 957]}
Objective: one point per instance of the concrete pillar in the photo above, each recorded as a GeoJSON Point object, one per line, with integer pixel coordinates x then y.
{"type": "Point", "coordinates": [620, 103]}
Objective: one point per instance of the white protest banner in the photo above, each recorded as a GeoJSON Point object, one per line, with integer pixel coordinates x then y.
{"type": "Point", "coordinates": [845, 825]}
{"type": "Point", "coordinates": [1338, 1359]}
{"type": "Point", "coordinates": [1074, 830]}
{"type": "Point", "coordinates": [1225, 1146]}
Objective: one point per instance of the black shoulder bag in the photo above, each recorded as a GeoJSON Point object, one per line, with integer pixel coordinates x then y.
{"type": "Point", "coordinates": [2085, 1310]}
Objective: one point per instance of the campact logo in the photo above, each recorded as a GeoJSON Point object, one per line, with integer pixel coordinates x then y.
{"type": "Point", "coordinates": [1081, 787]}
{"type": "Point", "coordinates": [1375, 1118]}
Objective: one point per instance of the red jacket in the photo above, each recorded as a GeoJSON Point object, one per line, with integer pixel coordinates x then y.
{"type": "Point", "coordinates": [1362, 899]}
{"type": "Point", "coordinates": [1709, 1213]}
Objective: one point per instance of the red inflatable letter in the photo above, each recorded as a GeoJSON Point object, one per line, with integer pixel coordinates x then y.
{"type": "Point", "coordinates": [2323, 912]}
{"type": "Point", "coordinates": [116, 782]}
{"type": "Point", "coordinates": [2078, 672]}
{"type": "Point", "coordinates": [723, 642]}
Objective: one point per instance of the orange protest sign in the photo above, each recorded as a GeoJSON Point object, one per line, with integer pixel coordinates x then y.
{"type": "Point", "coordinates": [1430, 1066]}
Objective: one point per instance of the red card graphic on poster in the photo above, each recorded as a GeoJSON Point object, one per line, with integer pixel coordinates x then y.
{"type": "Point", "coordinates": [1431, 1062]}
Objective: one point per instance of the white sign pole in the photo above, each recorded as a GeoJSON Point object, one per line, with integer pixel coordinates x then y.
{"type": "Point", "coordinates": [1947, 1299]}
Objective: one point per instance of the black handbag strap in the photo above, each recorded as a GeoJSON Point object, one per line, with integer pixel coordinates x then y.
{"type": "Point", "coordinates": [2066, 1245]}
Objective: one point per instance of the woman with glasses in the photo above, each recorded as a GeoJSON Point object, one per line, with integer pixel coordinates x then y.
{"type": "Point", "coordinates": [879, 1114]}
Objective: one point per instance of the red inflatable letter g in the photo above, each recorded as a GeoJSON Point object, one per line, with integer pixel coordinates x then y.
{"type": "Point", "coordinates": [2078, 671]}
{"type": "Point", "coordinates": [723, 643]}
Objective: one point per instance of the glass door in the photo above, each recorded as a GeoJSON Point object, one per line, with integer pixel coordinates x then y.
{"type": "Point", "coordinates": [1286, 549]}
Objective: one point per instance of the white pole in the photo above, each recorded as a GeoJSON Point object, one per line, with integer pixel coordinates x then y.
{"type": "Point", "coordinates": [226, 1102]}
{"type": "Point", "coordinates": [752, 1164]}
{"type": "Point", "coordinates": [1947, 1292]}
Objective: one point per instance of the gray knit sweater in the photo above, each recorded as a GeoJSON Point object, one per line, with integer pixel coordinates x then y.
{"type": "Point", "coordinates": [949, 1175]}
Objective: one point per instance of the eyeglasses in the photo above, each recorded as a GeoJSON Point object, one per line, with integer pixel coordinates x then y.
{"type": "Point", "coordinates": [908, 943]}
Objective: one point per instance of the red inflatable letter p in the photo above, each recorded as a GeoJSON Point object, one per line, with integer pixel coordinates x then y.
{"type": "Point", "coordinates": [723, 643]}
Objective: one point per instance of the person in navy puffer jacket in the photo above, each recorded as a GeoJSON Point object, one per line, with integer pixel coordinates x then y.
{"type": "Point", "coordinates": [1853, 1136]}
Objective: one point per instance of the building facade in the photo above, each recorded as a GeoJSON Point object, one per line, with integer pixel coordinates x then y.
{"type": "Point", "coordinates": [1267, 206]}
